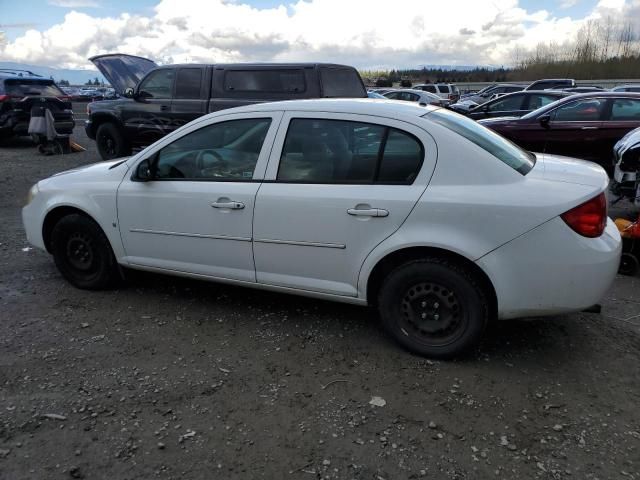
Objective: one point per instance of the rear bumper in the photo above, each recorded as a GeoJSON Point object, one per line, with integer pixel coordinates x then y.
{"type": "Point", "coordinates": [552, 270]}
{"type": "Point", "coordinates": [19, 125]}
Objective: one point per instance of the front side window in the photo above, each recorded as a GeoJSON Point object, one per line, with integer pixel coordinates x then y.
{"type": "Point", "coordinates": [338, 151]}
{"type": "Point", "coordinates": [159, 84]}
{"type": "Point", "coordinates": [188, 83]}
{"type": "Point", "coordinates": [341, 82]}
{"type": "Point", "coordinates": [625, 109]}
{"type": "Point", "coordinates": [226, 151]}
{"type": "Point", "coordinates": [587, 110]}
{"type": "Point", "coordinates": [272, 81]}
{"type": "Point", "coordinates": [498, 146]}
{"type": "Point", "coordinates": [513, 102]}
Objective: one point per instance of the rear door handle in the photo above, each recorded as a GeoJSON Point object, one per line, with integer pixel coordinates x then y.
{"type": "Point", "coordinates": [589, 128]}
{"type": "Point", "coordinates": [164, 108]}
{"type": "Point", "coordinates": [229, 205]}
{"type": "Point", "coordinates": [368, 212]}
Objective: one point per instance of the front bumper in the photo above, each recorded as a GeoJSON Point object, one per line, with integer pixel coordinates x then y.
{"type": "Point", "coordinates": [32, 222]}
{"type": "Point", "coordinates": [552, 270]}
{"type": "Point", "coordinates": [88, 128]}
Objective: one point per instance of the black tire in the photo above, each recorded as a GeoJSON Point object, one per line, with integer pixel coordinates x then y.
{"type": "Point", "coordinates": [111, 142]}
{"type": "Point", "coordinates": [433, 307]}
{"type": "Point", "coordinates": [629, 264]}
{"type": "Point", "coordinates": [82, 253]}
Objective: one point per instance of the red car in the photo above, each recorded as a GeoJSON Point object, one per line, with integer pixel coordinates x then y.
{"type": "Point", "coordinates": [584, 126]}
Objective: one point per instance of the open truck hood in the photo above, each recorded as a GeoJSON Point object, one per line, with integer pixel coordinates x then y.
{"type": "Point", "coordinates": [123, 71]}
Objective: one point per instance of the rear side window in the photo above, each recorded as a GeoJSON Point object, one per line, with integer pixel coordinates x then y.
{"type": "Point", "coordinates": [498, 146]}
{"type": "Point", "coordinates": [42, 88]}
{"type": "Point", "coordinates": [345, 152]}
{"type": "Point", "coordinates": [188, 83]}
{"type": "Point", "coordinates": [625, 109]}
{"type": "Point", "coordinates": [341, 82]}
{"type": "Point", "coordinates": [272, 81]}
{"type": "Point", "coordinates": [429, 88]}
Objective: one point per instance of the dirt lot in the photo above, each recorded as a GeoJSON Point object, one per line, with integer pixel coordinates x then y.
{"type": "Point", "coordinates": [170, 378]}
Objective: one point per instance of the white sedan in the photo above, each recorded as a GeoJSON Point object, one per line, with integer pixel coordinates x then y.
{"type": "Point", "coordinates": [420, 97]}
{"type": "Point", "coordinates": [437, 221]}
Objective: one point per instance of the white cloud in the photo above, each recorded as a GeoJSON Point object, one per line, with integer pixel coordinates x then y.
{"type": "Point", "coordinates": [406, 33]}
{"type": "Point", "coordinates": [568, 3]}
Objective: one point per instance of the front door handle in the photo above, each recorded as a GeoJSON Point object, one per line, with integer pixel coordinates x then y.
{"type": "Point", "coordinates": [164, 108]}
{"type": "Point", "coordinates": [589, 128]}
{"type": "Point", "coordinates": [368, 212]}
{"type": "Point", "coordinates": [228, 205]}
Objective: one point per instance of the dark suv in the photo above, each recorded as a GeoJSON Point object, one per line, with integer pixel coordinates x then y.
{"type": "Point", "coordinates": [158, 100]}
{"type": "Point", "coordinates": [20, 91]}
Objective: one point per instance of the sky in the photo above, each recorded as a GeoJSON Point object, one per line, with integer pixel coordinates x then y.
{"type": "Point", "coordinates": [363, 33]}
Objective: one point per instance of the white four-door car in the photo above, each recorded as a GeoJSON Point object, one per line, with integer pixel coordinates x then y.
{"type": "Point", "coordinates": [421, 98]}
{"type": "Point", "coordinates": [439, 222]}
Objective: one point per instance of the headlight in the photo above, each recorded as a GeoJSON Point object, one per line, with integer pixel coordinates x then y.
{"type": "Point", "coordinates": [33, 191]}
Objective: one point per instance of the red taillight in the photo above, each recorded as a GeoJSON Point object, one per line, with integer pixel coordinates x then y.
{"type": "Point", "coordinates": [4, 97]}
{"type": "Point", "coordinates": [588, 219]}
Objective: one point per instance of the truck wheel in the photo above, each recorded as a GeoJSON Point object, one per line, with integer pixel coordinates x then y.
{"type": "Point", "coordinates": [82, 253]}
{"type": "Point", "coordinates": [111, 143]}
{"type": "Point", "coordinates": [433, 307]}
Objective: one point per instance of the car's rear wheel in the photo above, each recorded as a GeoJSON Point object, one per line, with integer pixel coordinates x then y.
{"type": "Point", "coordinates": [433, 307]}
{"type": "Point", "coordinates": [82, 253]}
{"type": "Point", "coordinates": [111, 142]}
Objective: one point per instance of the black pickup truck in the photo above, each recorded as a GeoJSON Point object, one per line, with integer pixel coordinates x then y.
{"type": "Point", "coordinates": [159, 99]}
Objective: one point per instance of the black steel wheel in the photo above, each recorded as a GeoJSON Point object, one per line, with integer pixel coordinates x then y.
{"type": "Point", "coordinates": [433, 307]}
{"type": "Point", "coordinates": [82, 253]}
{"type": "Point", "coordinates": [111, 142]}
{"type": "Point", "coordinates": [629, 264]}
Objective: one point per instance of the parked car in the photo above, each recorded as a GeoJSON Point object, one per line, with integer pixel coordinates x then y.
{"type": "Point", "coordinates": [554, 83]}
{"type": "Point", "coordinates": [436, 220]}
{"type": "Point", "coordinates": [20, 90]}
{"type": "Point", "coordinates": [421, 97]}
{"type": "Point", "coordinates": [158, 100]}
{"type": "Point", "coordinates": [626, 175]}
{"type": "Point", "coordinates": [582, 126]}
{"type": "Point", "coordinates": [515, 104]}
{"type": "Point", "coordinates": [376, 95]}
{"type": "Point", "coordinates": [447, 91]}
{"type": "Point", "coordinates": [485, 95]}
{"type": "Point", "coordinates": [583, 89]}
{"type": "Point", "coordinates": [381, 91]}
{"type": "Point", "coordinates": [631, 87]}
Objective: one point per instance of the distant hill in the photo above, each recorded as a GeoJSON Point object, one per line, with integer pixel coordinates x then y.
{"type": "Point", "coordinates": [75, 77]}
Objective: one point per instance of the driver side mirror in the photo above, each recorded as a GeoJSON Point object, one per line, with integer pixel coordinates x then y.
{"type": "Point", "coordinates": [129, 93]}
{"type": "Point", "coordinates": [544, 120]}
{"type": "Point", "coordinates": [143, 171]}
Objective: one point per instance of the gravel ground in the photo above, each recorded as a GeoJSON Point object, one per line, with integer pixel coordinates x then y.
{"type": "Point", "coordinates": [173, 378]}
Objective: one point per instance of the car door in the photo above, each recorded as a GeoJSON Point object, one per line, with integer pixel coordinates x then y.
{"type": "Point", "coordinates": [149, 117]}
{"type": "Point", "coordinates": [189, 98]}
{"type": "Point", "coordinates": [195, 214]}
{"type": "Point", "coordinates": [336, 186]}
{"type": "Point", "coordinates": [573, 129]}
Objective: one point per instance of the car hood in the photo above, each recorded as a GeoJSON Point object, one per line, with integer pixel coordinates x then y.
{"type": "Point", "coordinates": [94, 169]}
{"type": "Point", "coordinates": [556, 168]}
{"type": "Point", "coordinates": [631, 139]}
{"type": "Point", "coordinates": [123, 71]}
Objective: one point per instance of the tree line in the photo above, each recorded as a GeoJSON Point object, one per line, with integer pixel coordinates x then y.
{"type": "Point", "coordinates": [604, 48]}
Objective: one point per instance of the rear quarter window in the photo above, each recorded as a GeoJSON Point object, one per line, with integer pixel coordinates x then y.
{"type": "Point", "coordinates": [443, 88]}
{"type": "Point", "coordinates": [341, 82]}
{"type": "Point", "coordinates": [271, 81]}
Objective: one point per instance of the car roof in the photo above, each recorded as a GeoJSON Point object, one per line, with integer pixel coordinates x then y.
{"type": "Point", "coordinates": [10, 73]}
{"type": "Point", "coordinates": [362, 106]}
{"type": "Point", "coordinates": [239, 66]}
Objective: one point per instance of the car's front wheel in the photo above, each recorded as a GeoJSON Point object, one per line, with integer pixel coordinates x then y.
{"type": "Point", "coordinates": [82, 253]}
{"type": "Point", "coordinates": [433, 307]}
{"type": "Point", "coordinates": [111, 142]}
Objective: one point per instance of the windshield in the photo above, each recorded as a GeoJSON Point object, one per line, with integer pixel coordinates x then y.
{"type": "Point", "coordinates": [43, 88]}
{"type": "Point", "coordinates": [498, 146]}
{"type": "Point", "coordinates": [545, 108]}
